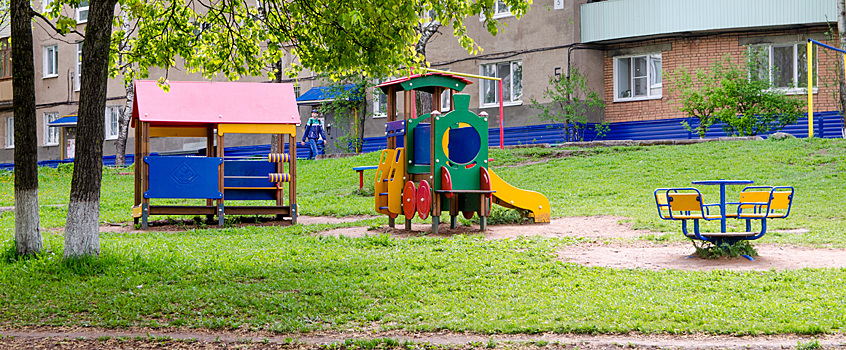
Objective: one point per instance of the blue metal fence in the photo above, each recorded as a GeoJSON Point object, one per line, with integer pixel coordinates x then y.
{"type": "Point", "coordinates": [826, 125]}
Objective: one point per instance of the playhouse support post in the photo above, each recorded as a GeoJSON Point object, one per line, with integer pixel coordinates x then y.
{"type": "Point", "coordinates": [453, 211]}
{"type": "Point", "coordinates": [137, 160]}
{"type": "Point", "coordinates": [145, 170]}
{"type": "Point", "coordinates": [209, 153]}
{"type": "Point", "coordinates": [292, 170]}
{"type": "Point", "coordinates": [408, 224]}
{"type": "Point", "coordinates": [220, 172]}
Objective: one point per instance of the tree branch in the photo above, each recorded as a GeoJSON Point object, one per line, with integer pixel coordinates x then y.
{"type": "Point", "coordinates": [34, 13]}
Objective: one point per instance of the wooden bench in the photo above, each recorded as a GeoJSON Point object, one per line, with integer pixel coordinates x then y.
{"type": "Point", "coordinates": [360, 170]}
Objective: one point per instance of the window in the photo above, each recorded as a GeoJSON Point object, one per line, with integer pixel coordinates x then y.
{"type": "Point", "coordinates": [82, 12]}
{"type": "Point", "coordinates": [637, 77]}
{"type": "Point", "coordinates": [45, 5]}
{"type": "Point", "coordinates": [446, 102]}
{"type": "Point", "coordinates": [51, 134]}
{"type": "Point", "coordinates": [10, 132]}
{"type": "Point", "coordinates": [511, 74]}
{"type": "Point", "coordinates": [380, 100]}
{"type": "Point", "coordinates": [501, 9]}
{"type": "Point", "coordinates": [5, 59]}
{"type": "Point", "coordinates": [78, 66]}
{"type": "Point", "coordinates": [784, 65]}
{"type": "Point", "coordinates": [51, 61]}
{"type": "Point", "coordinates": [112, 121]}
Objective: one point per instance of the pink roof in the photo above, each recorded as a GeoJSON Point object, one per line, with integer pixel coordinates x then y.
{"type": "Point", "coordinates": [193, 102]}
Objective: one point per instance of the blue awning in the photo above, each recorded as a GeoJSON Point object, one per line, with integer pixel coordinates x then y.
{"type": "Point", "coordinates": [320, 94]}
{"type": "Point", "coordinates": [68, 120]}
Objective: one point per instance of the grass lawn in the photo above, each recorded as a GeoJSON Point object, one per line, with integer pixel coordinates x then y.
{"type": "Point", "coordinates": [286, 279]}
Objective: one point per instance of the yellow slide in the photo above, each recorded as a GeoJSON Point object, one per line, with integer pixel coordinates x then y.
{"type": "Point", "coordinates": [512, 197]}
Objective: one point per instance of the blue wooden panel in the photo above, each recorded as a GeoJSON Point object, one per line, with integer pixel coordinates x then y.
{"type": "Point", "coordinates": [248, 168]}
{"type": "Point", "coordinates": [183, 177]}
{"type": "Point", "coordinates": [463, 145]}
{"type": "Point", "coordinates": [422, 142]}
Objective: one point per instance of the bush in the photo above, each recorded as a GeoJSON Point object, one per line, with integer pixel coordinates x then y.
{"type": "Point", "coordinates": [747, 105]}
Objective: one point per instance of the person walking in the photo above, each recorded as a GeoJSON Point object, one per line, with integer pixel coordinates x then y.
{"type": "Point", "coordinates": [313, 132]}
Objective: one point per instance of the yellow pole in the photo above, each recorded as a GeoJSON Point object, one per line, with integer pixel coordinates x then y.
{"type": "Point", "coordinates": [810, 90]}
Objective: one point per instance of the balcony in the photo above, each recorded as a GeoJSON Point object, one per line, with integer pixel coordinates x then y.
{"type": "Point", "coordinates": [624, 20]}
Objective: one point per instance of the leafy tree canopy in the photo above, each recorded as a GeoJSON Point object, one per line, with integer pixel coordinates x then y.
{"type": "Point", "coordinates": [238, 38]}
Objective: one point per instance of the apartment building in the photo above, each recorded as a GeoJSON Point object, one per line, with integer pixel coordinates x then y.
{"type": "Point", "coordinates": [645, 42]}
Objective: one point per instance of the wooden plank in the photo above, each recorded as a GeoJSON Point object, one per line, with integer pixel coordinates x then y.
{"type": "Point", "coordinates": [726, 234]}
{"type": "Point", "coordinates": [465, 191]}
{"type": "Point", "coordinates": [177, 131]}
{"type": "Point", "coordinates": [257, 210]}
{"type": "Point", "coordinates": [292, 185]}
{"type": "Point", "coordinates": [182, 210]}
{"type": "Point", "coordinates": [220, 168]}
{"type": "Point", "coordinates": [280, 191]}
{"type": "Point", "coordinates": [210, 149]}
{"type": "Point", "coordinates": [138, 161]}
{"type": "Point", "coordinates": [145, 151]}
{"type": "Point", "coordinates": [392, 112]}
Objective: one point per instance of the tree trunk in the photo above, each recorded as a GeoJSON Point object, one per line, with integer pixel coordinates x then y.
{"type": "Point", "coordinates": [82, 236]}
{"type": "Point", "coordinates": [123, 125]}
{"type": "Point", "coordinates": [841, 31]}
{"type": "Point", "coordinates": [27, 223]}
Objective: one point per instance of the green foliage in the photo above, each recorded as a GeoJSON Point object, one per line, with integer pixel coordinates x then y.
{"type": "Point", "coordinates": [708, 250]}
{"type": "Point", "coordinates": [746, 105]}
{"type": "Point", "coordinates": [572, 101]}
{"type": "Point", "coordinates": [697, 98]}
{"type": "Point", "coordinates": [235, 38]}
{"type": "Point", "coordinates": [349, 111]}
{"type": "Point", "coordinates": [811, 345]}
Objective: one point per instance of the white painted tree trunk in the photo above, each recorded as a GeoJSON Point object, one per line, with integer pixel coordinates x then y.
{"type": "Point", "coordinates": [82, 232]}
{"type": "Point", "coordinates": [27, 231]}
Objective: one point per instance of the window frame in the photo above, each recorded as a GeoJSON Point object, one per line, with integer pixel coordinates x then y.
{"type": "Point", "coordinates": [378, 95]}
{"type": "Point", "coordinates": [5, 59]}
{"type": "Point", "coordinates": [9, 134]}
{"type": "Point", "coordinates": [650, 75]}
{"type": "Point", "coordinates": [795, 89]}
{"type": "Point", "coordinates": [46, 67]}
{"type": "Point", "coordinates": [48, 130]}
{"type": "Point", "coordinates": [79, 10]}
{"type": "Point", "coordinates": [110, 132]}
{"type": "Point", "coordinates": [511, 100]}
{"type": "Point", "coordinates": [78, 66]}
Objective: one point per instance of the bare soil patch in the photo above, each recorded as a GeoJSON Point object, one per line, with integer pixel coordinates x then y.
{"type": "Point", "coordinates": [579, 226]}
{"type": "Point", "coordinates": [88, 338]}
{"type": "Point", "coordinates": [679, 256]}
{"type": "Point", "coordinates": [625, 253]}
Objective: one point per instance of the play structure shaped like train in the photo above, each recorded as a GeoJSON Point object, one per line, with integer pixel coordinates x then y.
{"type": "Point", "coordinates": [438, 162]}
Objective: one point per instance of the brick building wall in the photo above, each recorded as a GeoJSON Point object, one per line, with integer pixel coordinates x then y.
{"type": "Point", "coordinates": [700, 52]}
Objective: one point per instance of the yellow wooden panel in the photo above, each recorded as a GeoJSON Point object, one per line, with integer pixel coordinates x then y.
{"type": "Point", "coordinates": [754, 197]}
{"type": "Point", "coordinates": [781, 200]}
{"type": "Point", "coordinates": [177, 131]}
{"type": "Point", "coordinates": [685, 202]}
{"type": "Point", "coordinates": [289, 129]}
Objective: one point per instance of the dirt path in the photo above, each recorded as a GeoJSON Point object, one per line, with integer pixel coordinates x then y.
{"type": "Point", "coordinates": [618, 249]}
{"type": "Point", "coordinates": [87, 338]}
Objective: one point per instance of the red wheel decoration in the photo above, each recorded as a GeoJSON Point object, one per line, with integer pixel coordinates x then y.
{"type": "Point", "coordinates": [424, 199]}
{"type": "Point", "coordinates": [485, 181]}
{"type": "Point", "coordinates": [468, 214]}
{"type": "Point", "coordinates": [446, 182]}
{"type": "Point", "coordinates": [409, 200]}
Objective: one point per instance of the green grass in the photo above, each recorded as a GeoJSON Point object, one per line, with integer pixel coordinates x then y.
{"type": "Point", "coordinates": [286, 279]}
